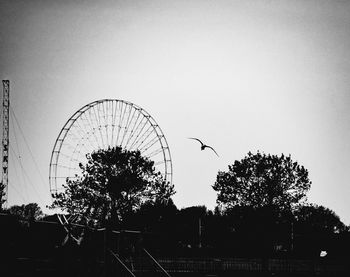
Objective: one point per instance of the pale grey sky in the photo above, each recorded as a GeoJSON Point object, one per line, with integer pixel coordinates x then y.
{"type": "Point", "coordinates": [241, 75]}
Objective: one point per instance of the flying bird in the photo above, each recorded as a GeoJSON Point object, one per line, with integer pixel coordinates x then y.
{"type": "Point", "coordinates": [203, 146]}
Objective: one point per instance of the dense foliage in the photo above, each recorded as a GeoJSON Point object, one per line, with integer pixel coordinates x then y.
{"type": "Point", "coordinates": [260, 180]}
{"type": "Point", "coordinates": [197, 231]}
{"type": "Point", "coordinates": [261, 210]}
{"type": "Point", "coordinates": [114, 182]}
{"type": "Point", "coordinates": [30, 211]}
{"type": "Point", "coordinates": [313, 219]}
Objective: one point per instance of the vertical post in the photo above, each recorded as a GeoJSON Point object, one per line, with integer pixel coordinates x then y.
{"type": "Point", "coordinates": [5, 143]}
{"type": "Point", "coordinates": [200, 232]}
{"type": "Point", "coordinates": [292, 237]}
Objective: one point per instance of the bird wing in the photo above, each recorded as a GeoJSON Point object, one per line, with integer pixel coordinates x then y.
{"type": "Point", "coordinates": [198, 140]}
{"type": "Point", "coordinates": [212, 149]}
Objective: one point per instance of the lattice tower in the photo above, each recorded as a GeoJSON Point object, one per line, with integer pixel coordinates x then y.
{"type": "Point", "coordinates": [5, 140]}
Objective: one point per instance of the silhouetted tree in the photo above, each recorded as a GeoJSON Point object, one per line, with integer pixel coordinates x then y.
{"type": "Point", "coordinates": [261, 180]}
{"type": "Point", "coordinates": [315, 219]}
{"type": "Point", "coordinates": [30, 211]}
{"type": "Point", "coordinates": [151, 216]}
{"type": "Point", "coordinates": [114, 182]}
{"type": "Point", "coordinates": [270, 184]}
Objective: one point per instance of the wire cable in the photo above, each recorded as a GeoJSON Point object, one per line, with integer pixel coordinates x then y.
{"type": "Point", "coordinates": [27, 176]}
{"type": "Point", "coordinates": [16, 190]}
{"type": "Point", "coordinates": [20, 179]}
{"type": "Point", "coordinates": [30, 152]}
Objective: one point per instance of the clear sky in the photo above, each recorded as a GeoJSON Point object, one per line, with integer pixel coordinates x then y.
{"type": "Point", "coordinates": [241, 75]}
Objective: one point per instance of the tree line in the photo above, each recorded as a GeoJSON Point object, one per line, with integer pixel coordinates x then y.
{"type": "Point", "coordinates": [261, 207]}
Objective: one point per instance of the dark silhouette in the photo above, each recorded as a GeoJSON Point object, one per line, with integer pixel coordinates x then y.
{"type": "Point", "coordinates": [203, 146]}
{"type": "Point", "coordinates": [114, 183]}
{"type": "Point", "coordinates": [261, 180]}
{"type": "Point", "coordinates": [270, 183]}
{"type": "Point", "coordinates": [313, 219]}
{"type": "Point", "coordinates": [261, 226]}
{"type": "Point", "coordinates": [30, 211]}
{"type": "Point", "coordinates": [234, 236]}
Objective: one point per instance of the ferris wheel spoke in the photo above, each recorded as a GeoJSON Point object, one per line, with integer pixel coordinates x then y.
{"type": "Point", "coordinates": [106, 109]}
{"type": "Point", "coordinates": [113, 123]}
{"type": "Point", "coordinates": [143, 137]}
{"type": "Point", "coordinates": [81, 150]}
{"type": "Point", "coordinates": [114, 115]}
{"type": "Point", "coordinates": [127, 124]}
{"type": "Point", "coordinates": [122, 126]}
{"type": "Point", "coordinates": [81, 145]}
{"type": "Point", "coordinates": [106, 131]}
{"type": "Point", "coordinates": [86, 134]}
{"type": "Point", "coordinates": [102, 124]}
{"type": "Point", "coordinates": [155, 153]}
{"type": "Point", "coordinates": [74, 135]}
{"type": "Point", "coordinates": [66, 145]}
{"type": "Point", "coordinates": [149, 144]}
{"type": "Point", "coordinates": [78, 155]}
{"type": "Point", "coordinates": [150, 151]}
{"type": "Point", "coordinates": [124, 113]}
{"type": "Point", "coordinates": [101, 145]}
{"type": "Point", "coordinates": [92, 129]}
{"type": "Point", "coordinates": [79, 126]}
{"type": "Point", "coordinates": [66, 167]}
{"type": "Point", "coordinates": [139, 133]}
{"type": "Point", "coordinates": [121, 121]}
{"type": "Point", "coordinates": [153, 149]}
{"type": "Point", "coordinates": [95, 123]}
{"type": "Point", "coordinates": [106, 122]}
{"type": "Point", "coordinates": [68, 156]}
{"type": "Point", "coordinates": [96, 132]}
{"type": "Point", "coordinates": [65, 177]}
{"type": "Point", "coordinates": [99, 111]}
{"type": "Point", "coordinates": [92, 117]}
{"type": "Point", "coordinates": [133, 129]}
{"type": "Point", "coordinates": [159, 163]}
{"type": "Point", "coordinates": [77, 152]}
{"type": "Point", "coordinates": [110, 122]}
{"type": "Point", "coordinates": [101, 114]}
{"type": "Point", "coordinates": [135, 121]}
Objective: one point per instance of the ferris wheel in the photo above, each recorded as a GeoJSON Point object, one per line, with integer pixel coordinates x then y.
{"type": "Point", "coordinates": [105, 124]}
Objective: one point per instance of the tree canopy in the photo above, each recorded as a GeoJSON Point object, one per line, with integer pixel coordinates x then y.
{"type": "Point", "coordinates": [30, 211]}
{"type": "Point", "coordinates": [315, 219]}
{"type": "Point", "coordinates": [116, 181]}
{"type": "Point", "coordinates": [260, 180]}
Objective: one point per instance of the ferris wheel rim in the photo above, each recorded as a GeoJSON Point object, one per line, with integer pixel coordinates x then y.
{"type": "Point", "coordinates": [55, 154]}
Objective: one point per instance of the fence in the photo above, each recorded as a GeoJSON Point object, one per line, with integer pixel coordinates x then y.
{"type": "Point", "coordinates": [298, 267]}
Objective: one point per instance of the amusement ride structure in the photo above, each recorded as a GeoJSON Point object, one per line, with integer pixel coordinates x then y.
{"type": "Point", "coordinates": [5, 140]}
{"type": "Point", "coordinates": [100, 125]}
{"type": "Point", "coordinates": [105, 124]}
